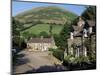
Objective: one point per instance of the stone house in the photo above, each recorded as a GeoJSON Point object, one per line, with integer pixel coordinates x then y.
{"type": "Point", "coordinates": [40, 44]}
{"type": "Point", "coordinates": [82, 31]}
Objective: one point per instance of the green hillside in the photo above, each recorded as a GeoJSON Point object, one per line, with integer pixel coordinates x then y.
{"type": "Point", "coordinates": [37, 20]}
{"type": "Point", "coordinates": [43, 28]}
{"type": "Point", "coordinates": [46, 14]}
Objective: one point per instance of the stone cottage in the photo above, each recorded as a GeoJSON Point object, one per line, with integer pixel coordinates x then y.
{"type": "Point", "coordinates": [40, 44]}
{"type": "Point", "coordinates": [80, 33]}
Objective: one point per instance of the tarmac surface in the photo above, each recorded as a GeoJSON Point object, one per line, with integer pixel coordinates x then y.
{"type": "Point", "coordinates": [37, 62]}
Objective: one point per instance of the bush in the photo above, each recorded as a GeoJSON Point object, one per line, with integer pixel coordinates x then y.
{"type": "Point", "coordinates": [59, 54]}
{"type": "Point", "coordinates": [76, 60]}
{"type": "Point", "coordinates": [69, 58]}
{"type": "Point", "coordinates": [78, 63]}
{"type": "Point", "coordinates": [44, 34]}
{"type": "Point", "coordinates": [93, 58]}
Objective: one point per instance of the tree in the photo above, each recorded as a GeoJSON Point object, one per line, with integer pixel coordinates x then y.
{"type": "Point", "coordinates": [44, 34]}
{"type": "Point", "coordinates": [64, 36]}
{"type": "Point", "coordinates": [26, 34]}
{"type": "Point", "coordinates": [89, 13]}
{"type": "Point", "coordinates": [57, 40]}
{"type": "Point", "coordinates": [15, 29]}
{"type": "Point", "coordinates": [50, 29]}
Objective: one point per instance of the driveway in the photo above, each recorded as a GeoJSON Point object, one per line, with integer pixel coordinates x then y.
{"type": "Point", "coordinates": [37, 61]}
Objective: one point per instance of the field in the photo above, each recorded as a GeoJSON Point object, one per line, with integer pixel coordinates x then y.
{"type": "Point", "coordinates": [44, 28]}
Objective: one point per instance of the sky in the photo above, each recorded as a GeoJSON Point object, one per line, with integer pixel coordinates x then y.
{"type": "Point", "coordinates": [18, 7]}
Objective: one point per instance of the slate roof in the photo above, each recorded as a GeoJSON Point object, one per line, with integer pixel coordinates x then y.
{"type": "Point", "coordinates": [91, 23]}
{"type": "Point", "coordinates": [77, 28]}
{"type": "Point", "coordinates": [78, 34]}
{"type": "Point", "coordinates": [39, 40]}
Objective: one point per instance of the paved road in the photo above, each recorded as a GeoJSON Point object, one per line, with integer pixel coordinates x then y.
{"type": "Point", "coordinates": [37, 62]}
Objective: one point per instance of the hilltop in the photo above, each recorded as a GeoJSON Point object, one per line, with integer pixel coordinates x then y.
{"type": "Point", "coordinates": [46, 14]}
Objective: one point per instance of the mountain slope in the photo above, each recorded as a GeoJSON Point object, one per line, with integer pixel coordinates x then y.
{"type": "Point", "coordinates": [46, 14]}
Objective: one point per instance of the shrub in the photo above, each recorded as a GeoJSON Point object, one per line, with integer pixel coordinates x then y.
{"type": "Point", "coordinates": [59, 54]}
{"type": "Point", "coordinates": [69, 59]}
{"type": "Point", "coordinates": [51, 49]}
{"type": "Point", "coordinates": [44, 34]}
{"type": "Point", "coordinates": [76, 60]}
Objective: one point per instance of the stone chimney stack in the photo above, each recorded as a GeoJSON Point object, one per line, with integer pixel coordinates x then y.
{"type": "Point", "coordinates": [41, 37]}
{"type": "Point", "coordinates": [71, 35]}
{"type": "Point", "coordinates": [85, 33]}
{"type": "Point", "coordinates": [81, 22]}
{"type": "Point", "coordinates": [90, 29]}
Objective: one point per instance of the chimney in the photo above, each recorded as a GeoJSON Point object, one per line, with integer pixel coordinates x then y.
{"type": "Point", "coordinates": [85, 33]}
{"type": "Point", "coordinates": [41, 37]}
{"type": "Point", "coordinates": [90, 29]}
{"type": "Point", "coordinates": [80, 22]}
{"type": "Point", "coordinates": [71, 35]}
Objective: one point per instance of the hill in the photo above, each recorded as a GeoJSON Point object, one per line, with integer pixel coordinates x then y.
{"type": "Point", "coordinates": [46, 14]}
{"type": "Point", "coordinates": [37, 20]}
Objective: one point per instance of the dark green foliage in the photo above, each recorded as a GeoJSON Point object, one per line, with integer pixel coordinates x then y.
{"type": "Point", "coordinates": [15, 27]}
{"type": "Point", "coordinates": [81, 59]}
{"type": "Point", "coordinates": [50, 29]}
{"type": "Point", "coordinates": [64, 35]}
{"type": "Point", "coordinates": [23, 45]}
{"type": "Point", "coordinates": [44, 34]}
{"type": "Point", "coordinates": [90, 13]}
{"type": "Point", "coordinates": [67, 58]}
{"type": "Point", "coordinates": [58, 53]}
{"type": "Point", "coordinates": [58, 40]}
{"type": "Point", "coordinates": [15, 33]}
{"type": "Point", "coordinates": [26, 34]}
{"type": "Point", "coordinates": [17, 40]}
{"type": "Point", "coordinates": [76, 60]}
{"type": "Point", "coordinates": [61, 39]}
{"type": "Point", "coordinates": [74, 22]}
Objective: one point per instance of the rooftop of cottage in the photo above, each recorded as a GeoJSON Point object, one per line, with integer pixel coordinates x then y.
{"type": "Point", "coordinates": [89, 23]}
{"type": "Point", "coordinates": [40, 40]}
{"type": "Point", "coordinates": [81, 25]}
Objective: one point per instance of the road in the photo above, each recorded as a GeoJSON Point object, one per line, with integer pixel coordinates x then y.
{"type": "Point", "coordinates": [37, 61]}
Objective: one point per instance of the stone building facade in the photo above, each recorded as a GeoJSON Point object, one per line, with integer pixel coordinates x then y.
{"type": "Point", "coordinates": [84, 30]}
{"type": "Point", "coordinates": [40, 44]}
